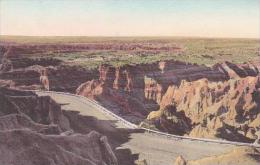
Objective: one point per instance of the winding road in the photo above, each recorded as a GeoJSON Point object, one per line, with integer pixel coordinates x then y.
{"type": "Point", "coordinates": [155, 148]}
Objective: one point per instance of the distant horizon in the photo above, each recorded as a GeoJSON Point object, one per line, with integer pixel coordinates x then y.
{"type": "Point", "coordinates": [96, 36]}
{"type": "Point", "coordinates": [177, 37]}
{"type": "Point", "coordinates": [133, 18]}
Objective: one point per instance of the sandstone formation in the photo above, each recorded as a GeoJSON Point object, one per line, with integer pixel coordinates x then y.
{"type": "Point", "coordinates": [216, 109]}
{"type": "Point", "coordinates": [239, 70]}
{"type": "Point", "coordinates": [44, 79]}
{"type": "Point", "coordinates": [180, 161]}
{"type": "Point", "coordinates": [34, 130]}
{"type": "Point", "coordinates": [238, 156]}
{"type": "Point", "coordinates": [141, 162]}
{"type": "Point", "coordinates": [199, 101]}
{"type": "Point", "coordinates": [138, 89]}
{"type": "Point", "coordinates": [172, 96]}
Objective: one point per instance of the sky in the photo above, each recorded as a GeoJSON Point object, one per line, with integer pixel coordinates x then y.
{"type": "Point", "coordinates": [198, 18]}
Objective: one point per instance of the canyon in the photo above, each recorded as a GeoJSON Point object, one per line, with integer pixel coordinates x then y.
{"type": "Point", "coordinates": [220, 101]}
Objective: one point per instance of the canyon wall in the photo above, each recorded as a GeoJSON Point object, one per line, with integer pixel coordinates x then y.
{"type": "Point", "coordinates": [21, 72]}
{"type": "Point", "coordinates": [138, 89]}
{"type": "Point", "coordinates": [216, 109]}
{"type": "Point", "coordinates": [34, 130]}
{"type": "Point", "coordinates": [228, 109]}
{"type": "Point", "coordinates": [211, 102]}
{"type": "Point", "coordinates": [173, 96]}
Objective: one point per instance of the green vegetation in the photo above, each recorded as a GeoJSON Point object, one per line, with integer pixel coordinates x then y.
{"type": "Point", "coordinates": [206, 51]}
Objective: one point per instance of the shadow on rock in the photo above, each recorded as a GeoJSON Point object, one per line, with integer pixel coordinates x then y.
{"type": "Point", "coordinates": [116, 136]}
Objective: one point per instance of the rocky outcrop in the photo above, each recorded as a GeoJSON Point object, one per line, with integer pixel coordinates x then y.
{"type": "Point", "coordinates": [141, 162]}
{"type": "Point", "coordinates": [40, 109]}
{"type": "Point", "coordinates": [43, 73]}
{"type": "Point", "coordinates": [13, 59]}
{"type": "Point", "coordinates": [139, 88]}
{"type": "Point", "coordinates": [216, 109]}
{"type": "Point", "coordinates": [34, 130]}
{"type": "Point", "coordinates": [21, 121]}
{"type": "Point", "coordinates": [246, 155]}
{"type": "Point", "coordinates": [30, 148]}
{"type": "Point", "coordinates": [239, 70]}
{"type": "Point", "coordinates": [216, 99]}
{"type": "Point", "coordinates": [180, 161]}
{"type": "Point", "coordinates": [90, 89]}
{"type": "Point", "coordinates": [44, 79]}
{"type": "Point", "coordinates": [171, 121]}
{"type": "Point", "coordinates": [40, 73]}
{"type": "Point", "coordinates": [119, 86]}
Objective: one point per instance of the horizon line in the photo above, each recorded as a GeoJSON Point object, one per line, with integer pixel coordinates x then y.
{"type": "Point", "coordinates": [130, 36]}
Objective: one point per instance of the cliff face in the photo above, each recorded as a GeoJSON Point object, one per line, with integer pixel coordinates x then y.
{"type": "Point", "coordinates": [200, 95]}
{"type": "Point", "coordinates": [138, 89]}
{"type": "Point", "coordinates": [217, 102]}
{"type": "Point", "coordinates": [26, 123]}
{"type": "Point", "coordinates": [41, 73]}
{"type": "Point", "coordinates": [216, 108]}
{"type": "Point", "coordinates": [206, 101]}
{"type": "Point", "coordinates": [239, 70]}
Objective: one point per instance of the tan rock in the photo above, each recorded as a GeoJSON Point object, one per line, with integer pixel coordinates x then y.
{"type": "Point", "coordinates": [238, 156]}
{"type": "Point", "coordinates": [141, 162]}
{"type": "Point", "coordinates": [211, 104]}
{"type": "Point", "coordinates": [180, 161]}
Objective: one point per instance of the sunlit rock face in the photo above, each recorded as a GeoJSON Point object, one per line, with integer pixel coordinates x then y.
{"type": "Point", "coordinates": [248, 155]}
{"type": "Point", "coordinates": [138, 89]}
{"type": "Point", "coordinates": [216, 109]}
{"type": "Point", "coordinates": [215, 99]}
{"type": "Point", "coordinates": [153, 90]}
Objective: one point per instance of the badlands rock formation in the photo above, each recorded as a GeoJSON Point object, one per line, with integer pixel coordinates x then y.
{"type": "Point", "coordinates": [138, 89]}
{"type": "Point", "coordinates": [199, 101]}
{"type": "Point", "coordinates": [238, 156]}
{"type": "Point", "coordinates": [221, 101]}
{"type": "Point", "coordinates": [40, 73]}
{"type": "Point", "coordinates": [228, 109]}
{"type": "Point", "coordinates": [34, 130]}
{"type": "Point", "coordinates": [138, 46]}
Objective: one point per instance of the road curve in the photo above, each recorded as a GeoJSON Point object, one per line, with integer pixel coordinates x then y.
{"type": "Point", "coordinates": [155, 148]}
